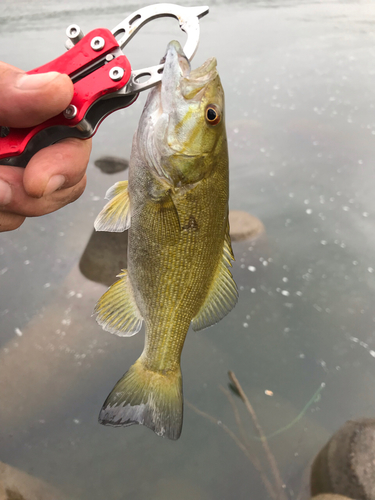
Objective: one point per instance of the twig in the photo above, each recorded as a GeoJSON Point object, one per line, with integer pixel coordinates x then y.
{"type": "Point", "coordinates": [267, 451]}
{"type": "Point", "coordinates": [255, 462]}
{"type": "Point", "coordinates": [239, 423]}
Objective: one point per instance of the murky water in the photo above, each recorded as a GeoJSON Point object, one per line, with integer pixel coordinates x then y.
{"type": "Point", "coordinates": [299, 81]}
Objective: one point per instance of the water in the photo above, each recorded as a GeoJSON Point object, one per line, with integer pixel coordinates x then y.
{"type": "Point", "coordinates": [299, 81]}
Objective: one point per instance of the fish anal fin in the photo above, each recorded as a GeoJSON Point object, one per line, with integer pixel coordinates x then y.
{"type": "Point", "coordinates": [115, 216]}
{"type": "Point", "coordinates": [148, 398]}
{"type": "Point", "coordinates": [116, 310]}
{"type": "Point", "coordinates": [222, 295]}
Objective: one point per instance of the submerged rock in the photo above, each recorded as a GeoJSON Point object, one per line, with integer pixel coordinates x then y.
{"type": "Point", "coordinates": [346, 464]}
{"type": "Point", "coordinates": [111, 164]}
{"type": "Point", "coordinates": [17, 485]}
{"type": "Point", "coordinates": [330, 496]}
{"type": "Point", "coordinates": [244, 226]}
{"type": "Point", "coordinates": [104, 256]}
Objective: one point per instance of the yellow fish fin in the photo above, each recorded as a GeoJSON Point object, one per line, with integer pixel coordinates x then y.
{"type": "Point", "coordinates": [148, 398]}
{"type": "Point", "coordinates": [222, 295]}
{"type": "Point", "coordinates": [163, 221]}
{"type": "Point", "coordinates": [227, 250]}
{"type": "Point", "coordinates": [115, 216]}
{"type": "Point", "coordinates": [117, 311]}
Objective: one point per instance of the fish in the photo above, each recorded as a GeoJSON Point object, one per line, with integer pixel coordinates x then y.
{"type": "Point", "coordinates": [175, 208]}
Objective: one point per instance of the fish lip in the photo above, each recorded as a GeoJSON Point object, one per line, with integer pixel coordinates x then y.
{"type": "Point", "coordinates": [178, 75]}
{"type": "Point", "coordinates": [175, 54]}
{"type": "Point", "coordinates": [176, 67]}
{"type": "Point", "coordinates": [179, 81]}
{"type": "Point", "coordinates": [188, 156]}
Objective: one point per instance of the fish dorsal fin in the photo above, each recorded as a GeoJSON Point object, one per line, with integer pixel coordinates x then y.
{"type": "Point", "coordinates": [117, 311]}
{"type": "Point", "coordinates": [115, 216]}
{"type": "Point", "coordinates": [223, 293]}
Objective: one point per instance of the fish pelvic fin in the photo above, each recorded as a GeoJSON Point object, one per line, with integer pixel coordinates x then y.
{"type": "Point", "coordinates": [146, 397]}
{"type": "Point", "coordinates": [116, 310]}
{"type": "Point", "coordinates": [115, 216]}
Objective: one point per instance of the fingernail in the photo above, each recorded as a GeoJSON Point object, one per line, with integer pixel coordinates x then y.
{"type": "Point", "coordinates": [33, 82]}
{"type": "Point", "coordinates": [5, 193]}
{"type": "Point", "coordinates": [55, 183]}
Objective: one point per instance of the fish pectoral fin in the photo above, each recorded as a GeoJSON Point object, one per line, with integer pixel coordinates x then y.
{"type": "Point", "coordinates": [148, 398]}
{"type": "Point", "coordinates": [222, 295]}
{"type": "Point", "coordinates": [164, 221]}
{"type": "Point", "coordinates": [117, 311]}
{"type": "Point", "coordinates": [115, 216]}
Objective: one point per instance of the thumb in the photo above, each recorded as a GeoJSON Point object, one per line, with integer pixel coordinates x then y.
{"type": "Point", "coordinates": [27, 100]}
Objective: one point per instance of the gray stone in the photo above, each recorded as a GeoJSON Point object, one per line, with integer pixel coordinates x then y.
{"type": "Point", "coordinates": [111, 164]}
{"type": "Point", "coordinates": [346, 464]}
{"type": "Point", "coordinates": [330, 496]}
{"type": "Point", "coordinates": [17, 485]}
{"type": "Point", "coordinates": [104, 256]}
{"type": "Point", "coordinates": [244, 226]}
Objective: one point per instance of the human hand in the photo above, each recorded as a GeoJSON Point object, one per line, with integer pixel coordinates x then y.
{"type": "Point", "coordinates": [55, 175]}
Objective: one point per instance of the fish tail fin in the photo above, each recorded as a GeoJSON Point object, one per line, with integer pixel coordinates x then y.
{"type": "Point", "coordinates": [146, 397]}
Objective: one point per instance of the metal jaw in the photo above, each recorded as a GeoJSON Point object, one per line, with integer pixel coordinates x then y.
{"type": "Point", "coordinates": [188, 18]}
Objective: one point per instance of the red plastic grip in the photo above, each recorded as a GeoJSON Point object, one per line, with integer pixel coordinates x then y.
{"type": "Point", "coordinates": [86, 91]}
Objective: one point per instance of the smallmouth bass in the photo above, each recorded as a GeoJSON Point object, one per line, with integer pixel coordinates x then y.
{"type": "Point", "coordinates": [175, 206]}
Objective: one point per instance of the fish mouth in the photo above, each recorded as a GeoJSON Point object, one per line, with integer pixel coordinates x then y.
{"type": "Point", "coordinates": [176, 67]}
{"type": "Point", "coordinates": [179, 80]}
{"type": "Point", "coordinates": [171, 104]}
{"type": "Point", "coordinates": [175, 54]}
{"type": "Point", "coordinates": [179, 83]}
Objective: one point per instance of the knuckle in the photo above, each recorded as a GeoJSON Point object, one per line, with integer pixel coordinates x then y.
{"type": "Point", "coordinates": [10, 222]}
{"type": "Point", "coordinates": [68, 195]}
{"type": "Point", "coordinates": [78, 190]}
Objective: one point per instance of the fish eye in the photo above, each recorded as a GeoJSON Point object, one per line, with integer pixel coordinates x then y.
{"type": "Point", "coordinates": [213, 116]}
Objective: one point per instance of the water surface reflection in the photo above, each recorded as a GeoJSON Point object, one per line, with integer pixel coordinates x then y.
{"type": "Point", "coordinates": [300, 97]}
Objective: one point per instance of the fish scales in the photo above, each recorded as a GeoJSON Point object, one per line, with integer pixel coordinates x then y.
{"type": "Point", "coordinates": [175, 206]}
{"type": "Point", "coordinates": [173, 279]}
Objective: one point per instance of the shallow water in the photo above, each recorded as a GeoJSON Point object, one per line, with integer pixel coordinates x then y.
{"type": "Point", "coordinates": [299, 80]}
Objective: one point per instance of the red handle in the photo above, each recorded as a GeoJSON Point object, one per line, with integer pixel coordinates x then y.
{"type": "Point", "coordinates": [86, 90]}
